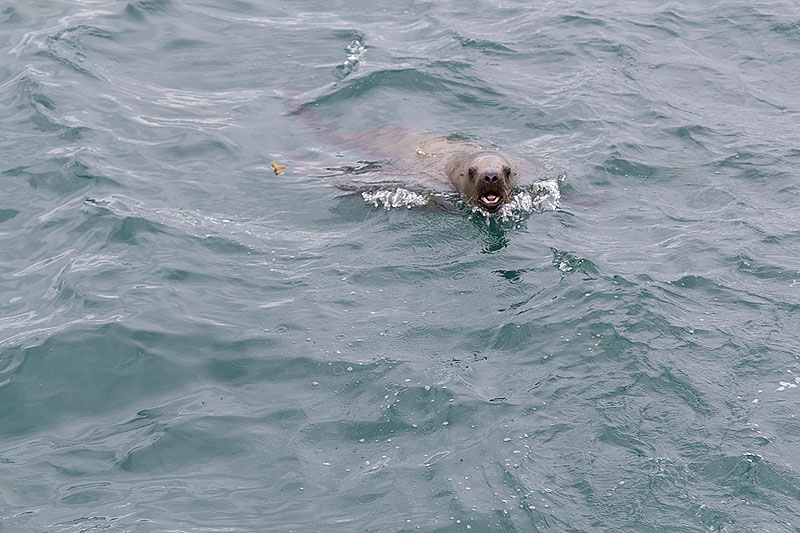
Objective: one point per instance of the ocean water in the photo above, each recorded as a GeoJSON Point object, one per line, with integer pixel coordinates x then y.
{"type": "Point", "coordinates": [190, 341]}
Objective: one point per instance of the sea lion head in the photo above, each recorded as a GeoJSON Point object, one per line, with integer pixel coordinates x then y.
{"type": "Point", "coordinates": [489, 180]}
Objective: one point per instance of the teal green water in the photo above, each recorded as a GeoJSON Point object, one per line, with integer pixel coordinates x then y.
{"type": "Point", "coordinates": [190, 342]}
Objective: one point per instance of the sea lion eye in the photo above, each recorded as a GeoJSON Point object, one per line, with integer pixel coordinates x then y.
{"type": "Point", "coordinates": [506, 171]}
{"type": "Point", "coordinates": [471, 172]}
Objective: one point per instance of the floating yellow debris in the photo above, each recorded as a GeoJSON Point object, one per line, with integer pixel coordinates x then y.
{"type": "Point", "coordinates": [277, 168]}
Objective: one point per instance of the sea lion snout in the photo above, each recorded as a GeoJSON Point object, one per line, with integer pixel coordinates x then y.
{"type": "Point", "coordinates": [490, 176]}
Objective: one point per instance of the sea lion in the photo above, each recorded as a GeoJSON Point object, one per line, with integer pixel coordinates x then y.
{"type": "Point", "coordinates": [485, 177]}
{"type": "Point", "coordinates": [425, 160]}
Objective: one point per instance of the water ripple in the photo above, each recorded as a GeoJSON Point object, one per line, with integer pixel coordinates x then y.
{"type": "Point", "coordinates": [190, 340]}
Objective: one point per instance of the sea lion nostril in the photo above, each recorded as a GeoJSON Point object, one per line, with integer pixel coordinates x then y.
{"type": "Point", "coordinates": [490, 177]}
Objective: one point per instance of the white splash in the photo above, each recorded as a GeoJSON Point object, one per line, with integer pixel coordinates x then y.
{"type": "Point", "coordinates": [541, 196]}
{"type": "Point", "coordinates": [390, 198]}
{"type": "Point", "coordinates": [355, 51]}
{"type": "Point", "coordinates": [547, 195]}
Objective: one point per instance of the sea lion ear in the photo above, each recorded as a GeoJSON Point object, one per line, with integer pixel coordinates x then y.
{"type": "Point", "coordinates": [471, 172]}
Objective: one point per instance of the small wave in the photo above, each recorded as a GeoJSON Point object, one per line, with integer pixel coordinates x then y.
{"type": "Point", "coordinates": [69, 47]}
{"type": "Point", "coordinates": [141, 8]}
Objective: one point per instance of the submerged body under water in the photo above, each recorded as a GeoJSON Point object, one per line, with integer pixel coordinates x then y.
{"type": "Point", "coordinates": [190, 341]}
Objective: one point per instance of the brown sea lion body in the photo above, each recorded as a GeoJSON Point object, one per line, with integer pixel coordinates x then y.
{"type": "Point", "coordinates": [486, 177]}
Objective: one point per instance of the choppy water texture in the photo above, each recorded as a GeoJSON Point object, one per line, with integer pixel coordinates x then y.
{"type": "Point", "coordinates": [191, 342]}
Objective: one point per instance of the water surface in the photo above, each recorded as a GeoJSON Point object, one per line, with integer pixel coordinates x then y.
{"type": "Point", "coordinates": [191, 342]}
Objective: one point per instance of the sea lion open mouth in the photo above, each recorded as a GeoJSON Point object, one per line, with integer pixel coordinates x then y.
{"type": "Point", "coordinates": [491, 201]}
